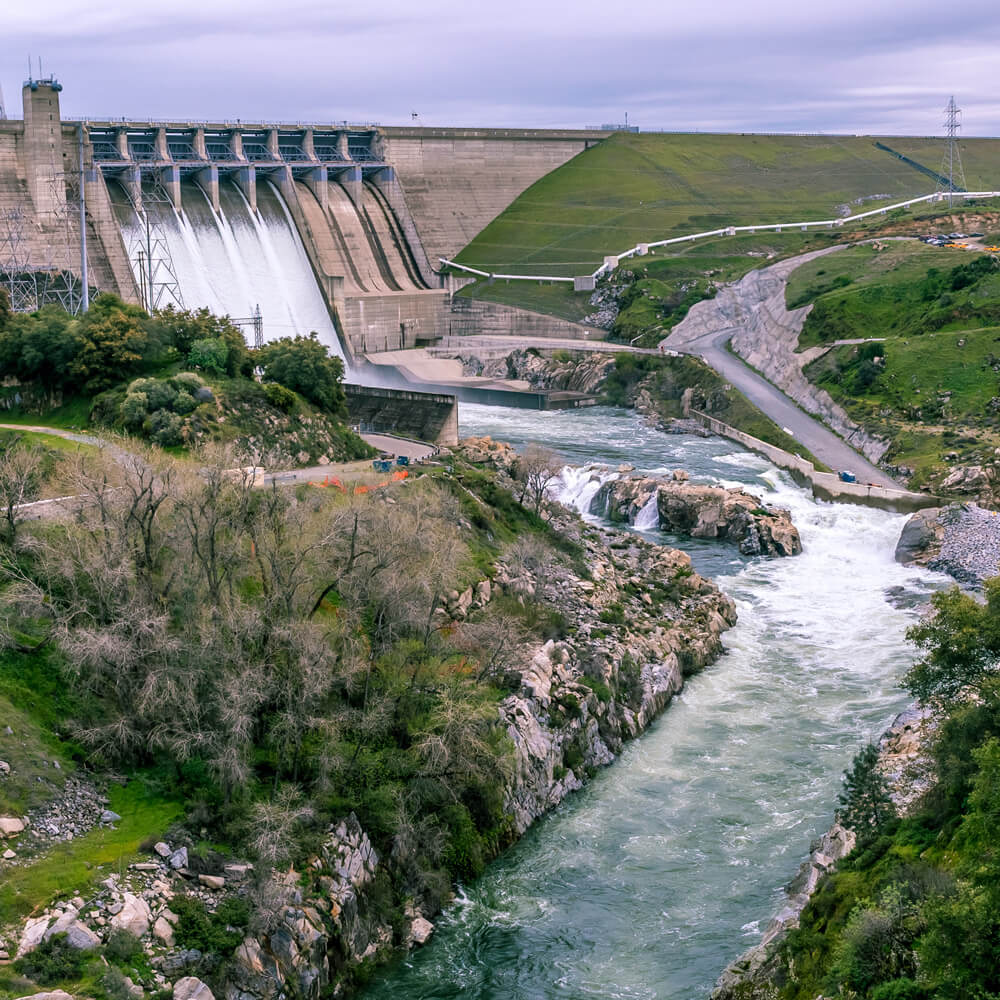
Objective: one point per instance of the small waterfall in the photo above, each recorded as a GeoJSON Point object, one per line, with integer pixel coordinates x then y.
{"type": "Point", "coordinates": [577, 487]}
{"type": "Point", "coordinates": [648, 519]}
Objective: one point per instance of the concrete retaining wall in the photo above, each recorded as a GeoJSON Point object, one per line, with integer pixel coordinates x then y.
{"type": "Point", "coordinates": [825, 485]}
{"type": "Point", "coordinates": [473, 317]}
{"type": "Point", "coordinates": [392, 321]}
{"type": "Point", "coordinates": [426, 416]}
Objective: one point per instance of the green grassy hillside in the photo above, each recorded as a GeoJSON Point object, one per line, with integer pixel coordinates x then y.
{"type": "Point", "coordinates": [641, 187]}
{"type": "Point", "coordinates": [929, 381]}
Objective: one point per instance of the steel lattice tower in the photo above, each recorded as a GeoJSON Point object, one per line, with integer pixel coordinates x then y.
{"type": "Point", "coordinates": [952, 165]}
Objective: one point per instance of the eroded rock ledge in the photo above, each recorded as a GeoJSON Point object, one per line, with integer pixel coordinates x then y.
{"type": "Point", "coordinates": [700, 511]}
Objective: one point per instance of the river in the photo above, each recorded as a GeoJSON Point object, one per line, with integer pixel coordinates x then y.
{"type": "Point", "coordinates": [649, 881]}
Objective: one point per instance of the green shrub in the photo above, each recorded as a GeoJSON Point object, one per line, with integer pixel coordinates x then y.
{"type": "Point", "coordinates": [53, 961]}
{"type": "Point", "coordinates": [280, 397]}
{"type": "Point", "coordinates": [613, 614]}
{"type": "Point", "coordinates": [187, 381]}
{"type": "Point", "coordinates": [464, 853]}
{"type": "Point", "coordinates": [209, 932]}
{"type": "Point", "coordinates": [122, 947]}
{"type": "Point", "coordinates": [166, 428]}
{"type": "Point", "coordinates": [211, 355]}
{"type": "Point", "coordinates": [185, 403]}
{"type": "Point", "coordinates": [899, 989]}
{"type": "Point", "coordinates": [160, 394]}
{"type": "Point", "coordinates": [135, 409]}
{"type": "Point", "coordinates": [599, 688]}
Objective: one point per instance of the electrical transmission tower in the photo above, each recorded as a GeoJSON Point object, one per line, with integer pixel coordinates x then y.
{"type": "Point", "coordinates": [952, 165]}
{"type": "Point", "coordinates": [16, 276]}
{"type": "Point", "coordinates": [58, 284]}
{"type": "Point", "coordinates": [149, 251]}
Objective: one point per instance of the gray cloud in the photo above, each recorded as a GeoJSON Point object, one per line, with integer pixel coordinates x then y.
{"type": "Point", "coordinates": [849, 66]}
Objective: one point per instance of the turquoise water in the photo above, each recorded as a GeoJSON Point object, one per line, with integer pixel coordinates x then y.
{"type": "Point", "coordinates": [649, 881]}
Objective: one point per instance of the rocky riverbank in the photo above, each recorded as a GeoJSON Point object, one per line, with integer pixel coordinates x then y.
{"type": "Point", "coordinates": [962, 540]}
{"type": "Point", "coordinates": [636, 621]}
{"type": "Point", "coordinates": [904, 761]}
{"type": "Point", "coordinates": [700, 511]}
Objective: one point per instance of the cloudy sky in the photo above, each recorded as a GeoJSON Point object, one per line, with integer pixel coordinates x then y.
{"type": "Point", "coordinates": [742, 65]}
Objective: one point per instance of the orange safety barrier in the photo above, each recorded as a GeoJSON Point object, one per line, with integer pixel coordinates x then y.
{"type": "Point", "coordinates": [399, 474]}
{"type": "Point", "coordinates": [330, 481]}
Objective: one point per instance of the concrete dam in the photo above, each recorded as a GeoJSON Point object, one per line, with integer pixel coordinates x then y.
{"type": "Point", "coordinates": [332, 228]}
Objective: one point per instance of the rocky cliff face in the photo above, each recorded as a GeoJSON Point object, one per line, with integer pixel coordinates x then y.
{"type": "Point", "coordinates": [700, 511]}
{"type": "Point", "coordinates": [581, 373]}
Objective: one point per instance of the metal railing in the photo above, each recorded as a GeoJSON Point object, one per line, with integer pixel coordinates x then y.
{"type": "Point", "coordinates": [613, 260]}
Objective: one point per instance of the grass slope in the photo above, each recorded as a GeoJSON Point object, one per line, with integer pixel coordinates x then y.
{"type": "Point", "coordinates": [639, 187]}
{"type": "Point", "coordinates": [929, 381]}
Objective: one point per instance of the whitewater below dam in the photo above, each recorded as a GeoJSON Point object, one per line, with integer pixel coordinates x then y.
{"type": "Point", "coordinates": [670, 862]}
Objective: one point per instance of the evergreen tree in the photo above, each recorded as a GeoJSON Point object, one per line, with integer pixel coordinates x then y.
{"type": "Point", "coordinates": [865, 803]}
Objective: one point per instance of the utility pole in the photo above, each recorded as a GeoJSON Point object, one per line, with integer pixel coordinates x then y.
{"type": "Point", "coordinates": [83, 226]}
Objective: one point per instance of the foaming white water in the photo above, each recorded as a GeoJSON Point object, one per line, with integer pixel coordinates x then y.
{"type": "Point", "coordinates": [237, 260]}
{"type": "Point", "coordinates": [578, 485]}
{"type": "Point", "coordinates": [649, 517]}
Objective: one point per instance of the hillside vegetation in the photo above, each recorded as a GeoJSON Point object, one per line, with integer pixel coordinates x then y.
{"type": "Point", "coordinates": [930, 381]}
{"type": "Point", "coordinates": [178, 379]}
{"type": "Point", "coordinates": [914, 912]}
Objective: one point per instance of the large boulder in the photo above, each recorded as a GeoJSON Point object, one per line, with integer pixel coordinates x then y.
{"type": "Point", "coordinates": [192, 988]}
{"type": "Point", "coordinates": [78, 935]}
{"type": "Point", "coordinates": [11, 826]}
{"type": "Point", "coordinates": [921, 535]}
{"type": "Point", "coordinates": [134, 916]}
{"type": "Point", "coordinates": [966, 479]}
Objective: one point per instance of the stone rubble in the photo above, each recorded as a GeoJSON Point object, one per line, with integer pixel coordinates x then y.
{"type": "Point", "coordinates": [962, 540]}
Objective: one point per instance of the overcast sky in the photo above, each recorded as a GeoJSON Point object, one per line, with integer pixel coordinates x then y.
{"type": "Point", "coordinates": [736, 65]}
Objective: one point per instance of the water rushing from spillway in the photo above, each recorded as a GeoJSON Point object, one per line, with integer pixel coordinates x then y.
{"type": "Point", "coordinates": [235, 261]}
{"type": "Point", "coordinates": [648, 882]}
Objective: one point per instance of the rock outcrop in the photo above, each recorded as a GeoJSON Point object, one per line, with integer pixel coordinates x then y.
{"type": "Point", "coordinates": [685, 508]}
{"type": "Point", "coordinates": [962, 540]}
{"type": "Point", "coordinates": [579, 373]}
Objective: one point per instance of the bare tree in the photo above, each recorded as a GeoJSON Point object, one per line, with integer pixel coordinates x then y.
{"type": "Point", "coordinates": [536, 470]}
{"type": "Point", "coordinates": [20, 483]}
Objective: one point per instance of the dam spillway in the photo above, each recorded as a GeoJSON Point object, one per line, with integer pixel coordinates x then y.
{"type": "Point", "coordinates": [234, 260]}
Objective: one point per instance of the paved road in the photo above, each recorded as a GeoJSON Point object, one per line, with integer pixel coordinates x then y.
{"type": "Point", "coordinates": [814, 436]}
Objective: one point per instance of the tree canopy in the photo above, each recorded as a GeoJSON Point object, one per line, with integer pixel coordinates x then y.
{"type": "Point", "coordinates": [306, 366]}
{"type": "Point", "coordinates": [960, 642]}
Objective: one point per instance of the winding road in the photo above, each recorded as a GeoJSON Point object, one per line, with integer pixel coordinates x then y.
{"type": "Point", "coordinates": [757, 301]}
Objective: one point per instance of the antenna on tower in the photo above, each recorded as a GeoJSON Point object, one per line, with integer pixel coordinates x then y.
{"type": "Point", "coordinates": [3, 109]}
{"type": "Point", "coordinates": [952, 166]}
